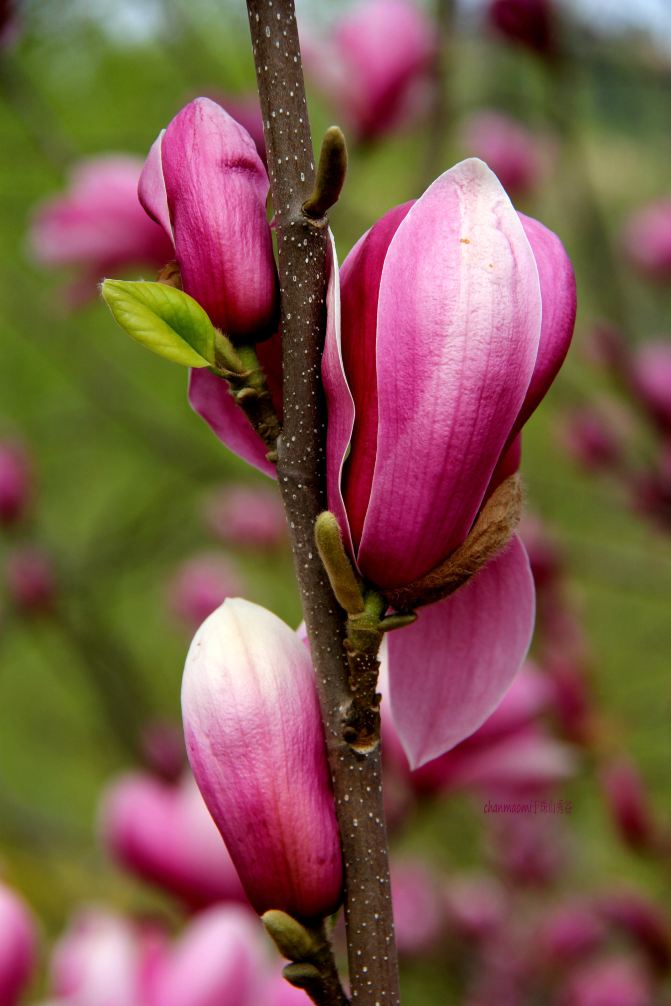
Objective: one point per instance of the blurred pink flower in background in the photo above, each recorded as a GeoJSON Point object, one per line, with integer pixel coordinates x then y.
{"type": "Point", "coordinates": [419, 916]}
{"type": "Point", "coordinates": [477, 906]}
{"type": "Point", "coordinates": [635, 916]}
{"type": "Point", "coordinates": [18, 946]}
{"type": "Point", "coordinates": [614, 981]}
{"type": "Point", "coordinates": [16, 484]}
{"type": "Point", "coordinates": [98, 227]}
{"type": "Point", "coordinates": [646, 239]}
{"type": "Point", "coordinates": [510, 149]}
{"type": "Point", "coordinates": [650, 377]}
{"type": "Point", "coordinates": [591, 438]}
{"type": "Point", "coordinates": [374, 67]}
{"type": "Point", "coordinates": [570, 931]}
{"type": "Point", "coordinates": [30, 579]}
{"type": "Point", "coordinates": [528, 22]}
{"type": "Point", "coordinates": [103, 959]}
{"type": "Point", "coordinates": [218, 960]}
{"type": "Point", "coordinates": [201, 584]}
{"type": "Point", "coordinates": [163, 833]}
{"type": "Point", "coordinates": [629, 804]}
{"type": "Point", "coordinates": [245, 515]}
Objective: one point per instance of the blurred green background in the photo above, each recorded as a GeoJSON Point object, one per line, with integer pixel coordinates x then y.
{"type": "Point", "coordinates": [123, 465]}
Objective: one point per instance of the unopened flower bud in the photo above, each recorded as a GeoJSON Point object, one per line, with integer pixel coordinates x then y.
{"type": "Point", "coordinates": [255, 741]}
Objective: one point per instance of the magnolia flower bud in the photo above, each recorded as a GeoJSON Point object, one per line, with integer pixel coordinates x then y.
{"type": "Point", "coordinates": [256, 745]}
{"type": "Point", "coordinates": [205, 183]}
{"type": "Point", "coordinates": [18, 945]}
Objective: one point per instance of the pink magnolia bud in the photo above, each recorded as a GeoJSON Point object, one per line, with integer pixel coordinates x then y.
{"type": "Point", "coordinates": [629, 804]}
{"type": "Point", "coordinates": [528, 22]}
{"type": "Point", "coordinates": [651, 381]}
{"type": "Point", "coordinates": [217, 961]}
{"type": "Point", "coordinates": [509, 148]}
{"type": "Point", "coordinates": [31, 580]}
{"type": "Point", "coordinates": [256, 745]}
{"type": "Point", "coordinates": [103, 960]}
{"type": "Point", "coordinates": [646, 239]}
{"type": "Point", "coordinates": [15, 482]}
{"type": "Point", "coordinates": [454, 285]}
{"type": "Point", "coordinates": [99, 227]}
{"type": "Point", "coordinates": [615, 981]}
{"type": "Point", "coordinates": [375, 67]}
{"type": "Point", "coordinates": [247, 515]}
{"type": "Point", "coordinates": [204, 182]}
{"type": "Point", "coordinates": [418, 911]}
{"type": "Point", "coordinates": [200, 585]}
{"type": "Point", "coordinates": [570, 931]}
{"type": "Point", "coordinates": [164, 834]}
{"type": "Point", "coordinates": [18, 946]}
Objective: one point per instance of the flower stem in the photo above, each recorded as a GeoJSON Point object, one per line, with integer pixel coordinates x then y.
{"type": "Point", "coordinates": [303, 262]}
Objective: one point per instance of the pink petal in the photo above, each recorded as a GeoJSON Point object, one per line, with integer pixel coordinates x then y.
{"type": "Point", "coordinates": [451, 668]}
{"type": "Point", "coordinates": [360, 285]}
{"type": "Point", "coordinates": [151, 190]}
{"type": "Point", "coordinates": [558, 294]}
{"type": "Point", "coordinates": [217, 188]}
{"type": "Point", "coordinates": [210, 398]}
{"type": "Point", "coordinates": [256, 745]}
{"type": "Point", "coordinates": [459, 321]}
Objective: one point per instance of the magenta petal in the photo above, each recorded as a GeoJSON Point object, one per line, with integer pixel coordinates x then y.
{"type": "Point", "coordinates": [558, 294]}
{"type": "Point", "coordinates": [151, 189]}
{"type": "Point", "coordinates": [459, 318]}
{"type": "Point", "coordinates": [339, 403]}
{"type": "Point", "coordinates": [451, 668]}
{"type": "Point", "coordinates": [217, 188]}
{"type": "Point", "coordinates": [360, 286]}
{"type": "Point", "coordinates": [210, 398]}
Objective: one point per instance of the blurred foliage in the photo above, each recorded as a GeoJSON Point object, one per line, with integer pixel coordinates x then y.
{"type": "Point", "coordinates": [124, 465]}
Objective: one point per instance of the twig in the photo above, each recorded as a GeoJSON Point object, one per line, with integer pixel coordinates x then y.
{"type": "Point", "coordinates": [303, 249]}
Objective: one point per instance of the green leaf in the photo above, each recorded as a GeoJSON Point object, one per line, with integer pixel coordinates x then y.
{"type": "Point", "coordinates": [164, 319]}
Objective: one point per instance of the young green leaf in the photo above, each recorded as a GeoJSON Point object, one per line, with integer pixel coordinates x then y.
{"type": "Point", "coordinates": [165, 320]}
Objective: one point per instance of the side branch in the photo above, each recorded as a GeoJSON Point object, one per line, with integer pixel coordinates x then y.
{"type": "Point", "coordinates": [303, 262]}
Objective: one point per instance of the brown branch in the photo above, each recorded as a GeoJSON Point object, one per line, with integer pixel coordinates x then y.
{"type": "Point", "coordinates": [303, 250]}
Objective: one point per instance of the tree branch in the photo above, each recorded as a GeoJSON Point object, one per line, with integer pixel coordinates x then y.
{"type": "Point", "coordinates": [303, 250]}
